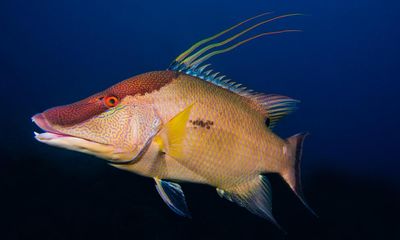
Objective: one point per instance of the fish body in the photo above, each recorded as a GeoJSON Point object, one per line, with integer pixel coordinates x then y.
{"type": "Point", "coordinates": [222, 144]}
{"type": "Point", "coordinates": [185, 124]}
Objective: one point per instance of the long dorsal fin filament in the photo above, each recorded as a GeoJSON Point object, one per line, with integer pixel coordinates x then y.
{"type": "Point", "coordinates": [188, 59]}
{"type": "Point", "coordinates": [191, 62]}
{"type": "Point", "coordinates": [196, 45]}
{"type": "Point", "coordinates": [209, 55]}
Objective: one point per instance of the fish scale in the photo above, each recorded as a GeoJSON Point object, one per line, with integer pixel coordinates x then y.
{"type": "Point", "coordinates": [234, 135]}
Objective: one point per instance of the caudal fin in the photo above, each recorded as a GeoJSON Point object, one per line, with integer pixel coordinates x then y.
{"type": "Point", "coordinates": [291, 173]}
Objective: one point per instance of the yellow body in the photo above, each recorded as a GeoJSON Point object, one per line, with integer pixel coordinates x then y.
{"type": "Point", "coordinates": [232, 146]}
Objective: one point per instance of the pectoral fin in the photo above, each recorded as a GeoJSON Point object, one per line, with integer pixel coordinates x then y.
{"type": "Point", "coordinates": [173, 196]}
{"type": "Point", "coordinates": [171, 136]}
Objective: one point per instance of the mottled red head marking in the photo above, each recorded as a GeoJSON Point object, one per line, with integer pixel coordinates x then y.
{"type": "Point", "coordinates": [85, 109]}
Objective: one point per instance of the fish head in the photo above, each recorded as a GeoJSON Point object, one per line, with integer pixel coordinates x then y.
{"type": "Point", "coordinates": [114, 124]}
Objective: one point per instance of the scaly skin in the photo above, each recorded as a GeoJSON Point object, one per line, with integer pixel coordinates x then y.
{"type": "Point", "coordinates": [226, 143]}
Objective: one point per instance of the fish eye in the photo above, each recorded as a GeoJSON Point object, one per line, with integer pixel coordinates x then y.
{"type": "Point", "coordinates": [111, 101]}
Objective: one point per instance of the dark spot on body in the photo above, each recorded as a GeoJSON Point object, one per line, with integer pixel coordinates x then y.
{"type": "Point", "coordinates": [267, 122]}
{"type": "Point", "coordinates": [201, 123]}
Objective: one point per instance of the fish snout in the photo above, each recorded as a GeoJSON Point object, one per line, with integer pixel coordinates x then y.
{"type": "Point", "coordinates": [41, 121]}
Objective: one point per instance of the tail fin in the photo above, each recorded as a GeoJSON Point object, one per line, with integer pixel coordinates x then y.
{"type": "Point", "coordinates": [291, 174]}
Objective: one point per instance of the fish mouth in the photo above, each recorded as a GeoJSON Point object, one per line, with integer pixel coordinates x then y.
{"type": "Point", "coordinates": [49, 132]}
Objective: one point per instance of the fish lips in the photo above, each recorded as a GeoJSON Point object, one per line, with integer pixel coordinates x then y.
{"type": "Point", "coordinates": [40, 120]}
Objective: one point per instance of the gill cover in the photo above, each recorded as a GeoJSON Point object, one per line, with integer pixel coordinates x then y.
{"type": "Point", "coordinates": [146, 124]}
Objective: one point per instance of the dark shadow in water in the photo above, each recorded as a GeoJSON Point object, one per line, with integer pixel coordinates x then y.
{"type": "Point", "coordinates": [41, 201]}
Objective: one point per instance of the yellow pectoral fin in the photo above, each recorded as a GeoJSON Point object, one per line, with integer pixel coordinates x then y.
{"type": "Point", "coordinates": [158, 140]}
{"type": "Point", "coordinates": [173, 133]}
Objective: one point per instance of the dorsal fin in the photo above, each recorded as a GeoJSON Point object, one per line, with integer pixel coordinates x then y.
{"type": "Point", "coordinates": [276, 106]}
{"type": "Point", "coordinates": [191, 60]}
{"type": "Point", "coordinates": [192, 63]}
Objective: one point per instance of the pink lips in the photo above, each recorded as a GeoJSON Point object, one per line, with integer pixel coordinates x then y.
{"type": "Point", "coordinates": [41, 122]}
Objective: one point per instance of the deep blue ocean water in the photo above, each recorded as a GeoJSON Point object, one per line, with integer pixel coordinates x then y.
{"type": "Point", "coordinates": [344, 67]}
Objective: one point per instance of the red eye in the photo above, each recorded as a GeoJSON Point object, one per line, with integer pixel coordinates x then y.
{"type": "Point", "coordinates": [111, 101]}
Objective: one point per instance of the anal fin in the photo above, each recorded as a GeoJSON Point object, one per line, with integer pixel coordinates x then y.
{"type": "Point", "coordinates": [254, 195]}
{"type": "Point", "coordinates": [173, 196]}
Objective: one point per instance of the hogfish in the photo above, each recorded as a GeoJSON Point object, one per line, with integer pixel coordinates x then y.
{"type": "Point", "coordinates": [187, 123]}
